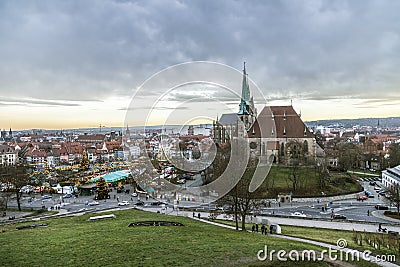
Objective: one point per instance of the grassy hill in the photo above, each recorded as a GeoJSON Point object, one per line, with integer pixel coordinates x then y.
{"type": "Point", "coordinates": [78, 242]}
{"type": "Point", "coordinates": [308, 185]}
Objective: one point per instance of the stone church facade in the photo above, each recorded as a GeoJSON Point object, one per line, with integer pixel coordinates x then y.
{"type": "Point", "coordinates": [277, 132]}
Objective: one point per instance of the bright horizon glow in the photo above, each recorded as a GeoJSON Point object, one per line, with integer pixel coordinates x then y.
{"type": "Point", "coordinates": [92, 114]}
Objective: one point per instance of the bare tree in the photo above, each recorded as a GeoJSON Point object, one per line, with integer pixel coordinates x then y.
{"type": "Point", "coordinates": [297, 157]}
{"type": "Point", "coordinates": [394, 191]}
{"type": "Point", "coordinates": [4, 198]}
{"type": "Point", "coordinates": [349, 155]}
{"type": "Point", "coordinates": [15, 177]}
{"type": "Point", "coordinates": [394, 152]}
{"type": "Point", "coordinates": [242, 202]}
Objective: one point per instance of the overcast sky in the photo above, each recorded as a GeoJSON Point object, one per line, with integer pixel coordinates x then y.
{"type": "Point", "coordinates": [78, 63]}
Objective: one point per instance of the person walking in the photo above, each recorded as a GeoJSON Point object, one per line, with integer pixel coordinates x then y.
{"type": "Point", "coordinates": [253, 227]}
{"type": "Point", "coordinates": [198, 215]}
{"type": "Point", "coordinates": [262, 229]}
{"type": "Point", "coordinates": [257, 227]}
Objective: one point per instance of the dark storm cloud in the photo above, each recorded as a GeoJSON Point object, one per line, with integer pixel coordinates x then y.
{"type": "Point", "coordinates": [90, 50]}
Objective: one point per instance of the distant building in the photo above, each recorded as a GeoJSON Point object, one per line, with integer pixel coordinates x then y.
{"type": "Point", "coordinates": [391, 177]}
{"type": "Point", "coordinates": [8, 155]}
{"type": "Point", "coordinates": [91, 139]}
{"type": "Point", "coordinates": [190, 130]}
{"type": "Point", "coordinates": [37, 158]}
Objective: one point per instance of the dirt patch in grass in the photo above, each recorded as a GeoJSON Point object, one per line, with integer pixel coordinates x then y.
{"type": "Point", "coordinates": [392, 214]}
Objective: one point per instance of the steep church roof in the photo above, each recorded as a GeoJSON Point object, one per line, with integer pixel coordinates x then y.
{"type": "Point", "coordinates": [288, 124]}
{"type": "Point", "coordinates": [229, 118]}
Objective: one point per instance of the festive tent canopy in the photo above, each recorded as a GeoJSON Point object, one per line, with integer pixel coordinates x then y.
{"type": "Point", "coordinates": [112, 177]}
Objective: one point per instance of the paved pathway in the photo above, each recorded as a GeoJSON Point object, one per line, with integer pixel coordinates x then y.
{"type": "Point", "coordinates": [16, 214]}
{"type": "Point", "coordinates": [331, 224]}
{"type": "Point", "coordinates": [379, 214]}
{"type": "Point", "coordinates": [338, 225]}
{"type": "Point", "coordinates": [312, 242]}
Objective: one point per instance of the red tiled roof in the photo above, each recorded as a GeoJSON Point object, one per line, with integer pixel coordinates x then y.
{"type": "Point", "coordinates": [5, 149]}
{"type": "Point", "coordinates": [288, 124]}
{"type": "Point", "coordinates": [91, 138]}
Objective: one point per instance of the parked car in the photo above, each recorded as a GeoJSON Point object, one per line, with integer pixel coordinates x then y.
{"type": "Point", "coordinates": [381, 193]}
{"type": "Point", "coordinates": [38, 189]}
{"type": "Point", "coordinates": [339, 217]}
{"type": "Point", "coordinates": [388, 195]}
{"type": "Point", "coordinates": [134, 194]}
{"type": "Point", "coordinates": [27, 189]}
{"type": "Point", "coordinates": [67, 195]}
{"type": "Point", "coordinates": [139, 203]}
{"type": "Point", "coordinates": [381, 207]}
{"type": "Point", "coordinates": [157, 203]}
{"type": "Point", "coordinates": [298, 214]}
{"type": "Point", "coordinates": [94, 203]}
{"type": "Point", "coordinates": [361, 198]}
{"type": "Point", "coordinates": [46, 197]}
{"type": "Point", "coordinates": [123, 203]}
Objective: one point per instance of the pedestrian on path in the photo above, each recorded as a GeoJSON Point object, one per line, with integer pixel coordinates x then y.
{"type": "Point", "coordinates": [198, 215]}
{"type": "Point", "coordinates": [253, 227]}
{"type": "Point", "coordinates": [368, 212]}
{"type": "Point", "coordinates": [256, 227]}
{"type": "Point", "coordinates": [262, 229]}
{"type": "Point", "coordinates": [193, 214]}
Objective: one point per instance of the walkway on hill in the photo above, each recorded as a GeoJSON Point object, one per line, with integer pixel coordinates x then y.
{"type": "Point", "coordinates": [312, 242]}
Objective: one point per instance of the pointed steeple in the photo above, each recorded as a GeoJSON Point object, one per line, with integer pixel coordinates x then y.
{"type": "Point", "coordinates": [245, 99]}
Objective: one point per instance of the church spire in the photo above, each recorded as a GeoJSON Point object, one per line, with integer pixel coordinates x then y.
{"type": "Point", "coordinates": [245, 99]}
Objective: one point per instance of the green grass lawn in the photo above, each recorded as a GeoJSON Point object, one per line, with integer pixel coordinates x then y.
{"type": "Point", "coordinates": [277, 181]}
{"type": "Point", "coordinates": [331, 236]}
{"type": "Point", "coordinates": [78, 242]}
{"type": "Point", "coordinates": [365, 173]}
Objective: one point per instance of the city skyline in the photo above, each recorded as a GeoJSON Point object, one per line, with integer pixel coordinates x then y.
{"type": "Point", "coordinates": [78, 64]}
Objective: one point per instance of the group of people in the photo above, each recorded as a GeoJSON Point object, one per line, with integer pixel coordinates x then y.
{"type": "Point", "coordinates": [56, 207]}
{"type": "Point", "coordinates": [264, 229]}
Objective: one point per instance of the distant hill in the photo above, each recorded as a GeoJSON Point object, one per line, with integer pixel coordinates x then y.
{"type": "Point", "coordinates": [346, 123]}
